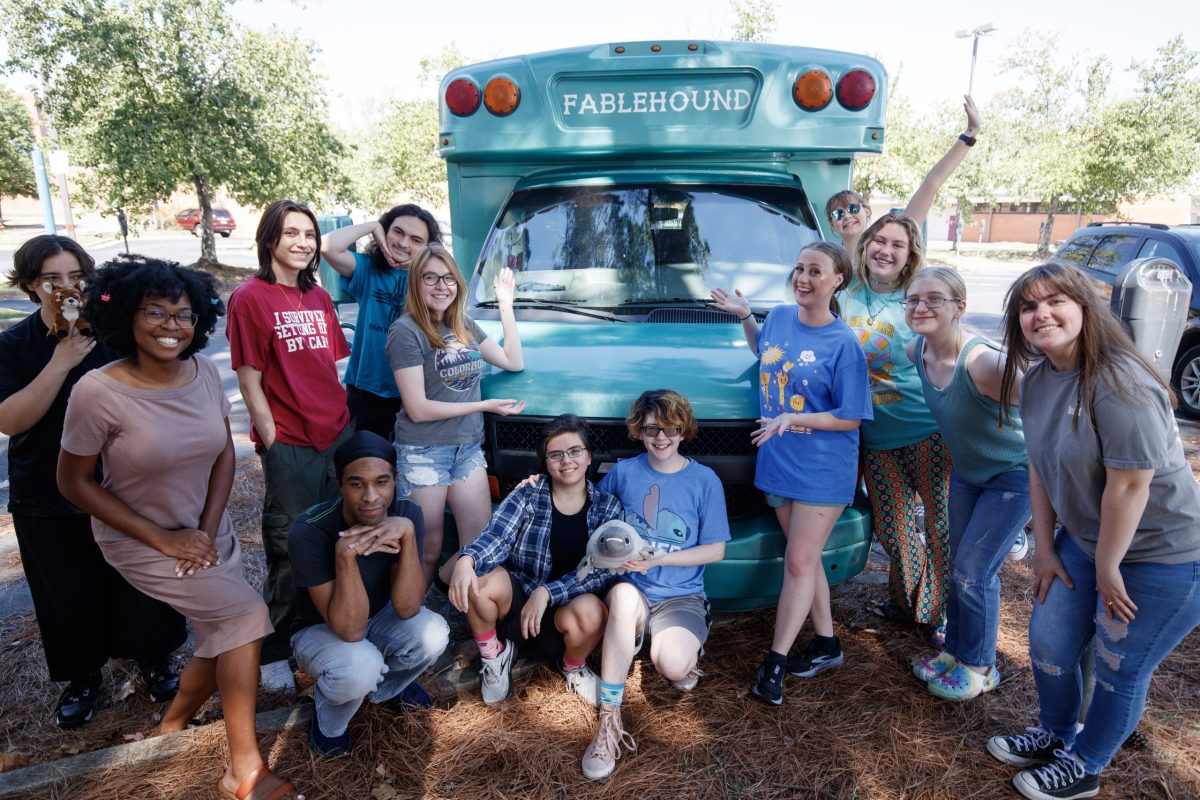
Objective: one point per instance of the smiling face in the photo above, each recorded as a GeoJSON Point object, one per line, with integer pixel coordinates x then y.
{"type": "Point", "coordinates": [1051, 322]}
{"type": "Point", "coordinates": [296, 247]}
{"type": "Point", "coordinates": [570, 470]}
{"type": "Point", "coordinates": [440, 296]}
{"type": "Point", "coordinates": [923, 318]}
{"type": "Point", "coordinates": [405, 237]}
{"type": "Point", "coordinates": [814, 280]}
{"type": "Point", "coordinates": [663, 449]}
{"type": "Point", "coordinates": [887, 254]}
{"type": "Point", "coordinates": [368, 487]}
{"type": "Point", "coordinates": [165, 341]}
{"type": "Point", "coordinates": [852, 222]}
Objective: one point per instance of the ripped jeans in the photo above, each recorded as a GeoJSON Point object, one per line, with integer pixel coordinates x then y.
{"type": "Point", "coordinates": [984, 522]}
{"type": "Point", "coordinates": [1168, 601]}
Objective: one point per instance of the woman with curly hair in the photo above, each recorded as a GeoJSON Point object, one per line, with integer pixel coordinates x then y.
{"type": "Point", "coordinates": [86, 611]}
{"type": "Point", "coordinates": [157, 421]}
{"type": "Point", "coordinates": [1123, 570]}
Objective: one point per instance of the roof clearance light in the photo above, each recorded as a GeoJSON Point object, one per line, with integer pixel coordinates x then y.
{"type": "Point", "coordinates": [813, 90]}
{"type": "Point", "coordinates": [856, 89]}
{"type": "Point", "coordinates": [501, 96]}
{"type": "Point", "coordinates": [462, 97]}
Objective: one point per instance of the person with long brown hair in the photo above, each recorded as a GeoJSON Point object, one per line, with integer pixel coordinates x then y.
{"type": "Point", "coordinates": [904, 452]}
{"type": "Point", "coordinates": [1122, 572]}
{"type": "Point", "coordinates": [437, 354]}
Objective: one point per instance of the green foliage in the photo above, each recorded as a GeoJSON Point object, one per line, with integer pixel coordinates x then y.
{"type": "Point", "coordinates": [755, 20]}
{"type": "Point", "coordinates": [159, 95]}
{"type": "Point", "coordinates": [16, 170]}
{"type": "Point", "coordinates": [403, 157]}
{"type": "Point", "coordinates": [434, 68]}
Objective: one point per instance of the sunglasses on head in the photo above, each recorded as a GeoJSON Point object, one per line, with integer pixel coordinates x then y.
{"type": "Point", "coordinates": [838, 213]}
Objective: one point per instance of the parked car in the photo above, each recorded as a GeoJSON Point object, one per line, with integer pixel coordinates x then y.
{"type": "Point", "coordinates": [223, 222]}
{"type": "Point", "coordinates": [1102, 250]}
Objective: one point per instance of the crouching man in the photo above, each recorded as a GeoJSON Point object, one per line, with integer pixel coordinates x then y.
{"type": "Point", "coordinates": [362, 632]}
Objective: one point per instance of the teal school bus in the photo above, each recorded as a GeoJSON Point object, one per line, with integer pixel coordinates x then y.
{"type": "Point", "coordinates": [622, 183]}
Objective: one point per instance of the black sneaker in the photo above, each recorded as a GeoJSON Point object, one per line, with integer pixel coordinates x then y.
{"type": "Point", "coordinates": [815, 658]}
{"type": "Point", "coordinates": [78, 702]}
{"type": "Point", "coordinates": [161, 680]}
{"type": "Point", "coordinates": [327, 746]}
{"type": "Point", "coordinates": [768, 685]}
{"type": "Point", "coordinates": [1062, 779]}
{"type": "Point", "coordinates": [1030, 749]}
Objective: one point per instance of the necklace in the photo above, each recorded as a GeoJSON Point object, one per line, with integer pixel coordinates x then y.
{"type": "Point", "coordinates": [872, 311]}
{"type": "Point", "coordinates": [298, 307]}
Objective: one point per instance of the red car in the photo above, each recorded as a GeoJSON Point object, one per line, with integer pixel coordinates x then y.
{"type": "Point", "coordinates": [223, 222]}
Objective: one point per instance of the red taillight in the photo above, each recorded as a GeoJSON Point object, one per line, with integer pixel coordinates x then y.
{"type": "Point", "coordinates": [501, 96]}
{"type": "Point", "coordinates": [462, 97]}
{"type": "Point", "coordinates": [813, 90]}
{"type": "Point", "coordinates": [856, 89]}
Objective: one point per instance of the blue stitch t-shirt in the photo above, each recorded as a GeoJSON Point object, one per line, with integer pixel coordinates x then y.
{"type": "Point", "coordinates": [380, 294]}
{"type": "Point", "coordinates": [672, 511]}
{"type": "Point", "coordinates": [802, 369]}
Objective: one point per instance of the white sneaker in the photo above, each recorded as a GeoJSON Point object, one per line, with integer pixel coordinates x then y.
{"type": "Point", "coordinates": [495, 675]}
{"type": "Point", "coordinates": [277, 676]}
{"type": "Point", "coordinates": [689, 681]}
{"type": "Point", "coordinates": [1020, 547]}
{"type": "Point", "coordinates": [584, 683]}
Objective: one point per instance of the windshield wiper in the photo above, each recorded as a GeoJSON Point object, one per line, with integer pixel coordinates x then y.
{"type": "Point", "coordinates": [670, 301]}
{"type": "Point", "coordinates": [565, 306]}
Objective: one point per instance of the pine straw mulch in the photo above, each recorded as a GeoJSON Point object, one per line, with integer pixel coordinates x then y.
{"type": "Point", "coordinates": [867, 730]}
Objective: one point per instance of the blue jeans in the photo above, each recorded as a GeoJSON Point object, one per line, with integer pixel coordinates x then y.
{"type": "Point", "coordinates": [984, 522]}
{"type": "Point", "coordinates": [1168, 601]}
{"type": "Point", "coordinates": [394, 652]}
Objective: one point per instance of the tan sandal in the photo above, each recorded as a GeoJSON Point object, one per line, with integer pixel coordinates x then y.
{"type": "Point", "coordinates": [261, 784]}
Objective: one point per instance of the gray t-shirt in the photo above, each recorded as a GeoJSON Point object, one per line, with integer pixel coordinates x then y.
{"type": "Point", "coordinates": [1137, 432]}
{"type": "Point", "coordinates": [451, 375]}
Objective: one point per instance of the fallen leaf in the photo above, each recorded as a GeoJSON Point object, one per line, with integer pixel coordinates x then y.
{"type": "Point", "coordinates": [134, 737]}
{"type": "Point", "coordinates": [11, 759]}
{"type": "Point", "coordinates": [384, 792]}
{"type": "Point", "coordinates": [71, 748]}
{"type": "Point", "coordinates": [125, 690]}
{"type": "Point", "coordinates": [382, 772]}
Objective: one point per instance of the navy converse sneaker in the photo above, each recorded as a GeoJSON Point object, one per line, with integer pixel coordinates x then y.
{"type": "Point", "coordinates": [1034, 747]}
{"type": "Point", "coordinates": [1064, 778]}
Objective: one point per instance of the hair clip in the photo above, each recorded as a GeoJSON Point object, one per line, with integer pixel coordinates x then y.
{"type": "Point", "coordinates": [215, 300]}
{"type": "Point", "coordinates": [104, 298]}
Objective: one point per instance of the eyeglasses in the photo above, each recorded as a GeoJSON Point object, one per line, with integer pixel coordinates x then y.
{"type": "Point", "coordinates": [652, 431]}
{"type": "Point", "coordinates": [156, 316]}
{"type": "Point", "coordinates": [571, 452]}
{"type": "Point", "coordinates": [429, 279]}
{"type": "Point", "coordinates": [837, 214]}
{"type": "Point", "coordinates": [930, 302]}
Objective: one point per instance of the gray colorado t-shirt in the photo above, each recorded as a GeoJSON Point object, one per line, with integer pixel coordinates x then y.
{"type": "Point", "coordinates": [1137, 432]}
{"type": "Point", "coordinates": [451, 376]}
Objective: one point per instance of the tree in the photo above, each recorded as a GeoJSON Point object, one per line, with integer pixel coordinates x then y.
{"type": "Point", "coordinates": [1072, 147]}
{"type": "Point", "coordinates": [16, 138]}
{"type": "Point", "coordinates": [156, 95]}
{"type": "Point", "coordinates": [755, 20]}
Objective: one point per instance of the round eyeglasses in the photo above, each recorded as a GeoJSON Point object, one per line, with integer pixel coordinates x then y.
{"type": "Point", "coordinates": [837, 214]}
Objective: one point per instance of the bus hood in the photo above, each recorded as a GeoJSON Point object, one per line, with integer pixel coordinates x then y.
{"type": "Point", "coordinates": [597, 369]}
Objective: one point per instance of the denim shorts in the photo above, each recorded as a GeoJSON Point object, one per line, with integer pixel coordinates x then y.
{"type": "Point", "coordinates": [418, 466]}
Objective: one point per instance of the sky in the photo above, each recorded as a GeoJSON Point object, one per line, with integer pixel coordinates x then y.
{"type": "Point", "coordinates": [369, 50]}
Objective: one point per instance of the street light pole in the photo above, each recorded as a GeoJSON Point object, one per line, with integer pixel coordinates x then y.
{"type": "Point", "coordinates": [974, 35]}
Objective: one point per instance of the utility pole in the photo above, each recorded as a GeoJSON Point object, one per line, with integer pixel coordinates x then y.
{"type": "Point", "coordinates": [974, 35]}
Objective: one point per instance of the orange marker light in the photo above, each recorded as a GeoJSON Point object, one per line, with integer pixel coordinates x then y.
{"type": "Point", "coordinates": [655, 48]}
{"type": "Point", "coordinates": [813, 90]}
{"type": "Point", "coordinates": [501, 96]}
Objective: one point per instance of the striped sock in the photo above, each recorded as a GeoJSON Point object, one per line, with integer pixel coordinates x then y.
{"type": "Point", "coordinates": [489, 645]}
{"type": "Point", "coordinates": [612, 693]}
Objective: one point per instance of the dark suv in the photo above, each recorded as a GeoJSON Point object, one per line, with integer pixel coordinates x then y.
{"type": "Point", "coordinates": [1102, 249]}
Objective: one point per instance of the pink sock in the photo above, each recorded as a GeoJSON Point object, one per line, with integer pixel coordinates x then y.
{"type": "Point", "coordinates": [570, 665]}
{"type": "Point", "coordinates": [489, 645]}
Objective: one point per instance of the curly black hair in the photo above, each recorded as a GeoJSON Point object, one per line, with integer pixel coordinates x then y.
{"type": "Point", "coordinates": [117, 290]}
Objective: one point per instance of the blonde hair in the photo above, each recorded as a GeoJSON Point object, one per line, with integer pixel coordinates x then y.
{"type": "Point", "coordinates": [414, 303]}
{"type": "Point", "coordinates": [916, 248]}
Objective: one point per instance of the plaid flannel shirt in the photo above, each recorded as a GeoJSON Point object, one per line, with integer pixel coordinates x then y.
{"type": "Point", "coordinates": [518, 538]}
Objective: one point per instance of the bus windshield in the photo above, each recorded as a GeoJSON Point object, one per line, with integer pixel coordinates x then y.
{"type": "Point", "coordinates": [611, 247]}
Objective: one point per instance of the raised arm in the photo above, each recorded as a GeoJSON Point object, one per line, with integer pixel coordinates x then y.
{"type": "Point", "coordinates": [922, 199]}
{"type": "Point", "coordinates": [509, 357]}
{"type": "Point", "coordinates": [739, 306]}
{"type": "Point", "coordinates": [21, 410]}
{"type": "Point", "coordinates": [335, 245]}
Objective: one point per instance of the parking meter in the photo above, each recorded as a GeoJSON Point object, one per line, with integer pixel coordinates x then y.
{"type": "Point", "coordinates": [1151, 296]}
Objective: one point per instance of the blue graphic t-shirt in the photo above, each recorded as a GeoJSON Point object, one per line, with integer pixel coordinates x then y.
{"type": "Point", "coordinates": [451, 376]}
{"type": "Point", "coordinates": [901, 416]}
{"type": "Point", "coordinates": [806, 369]}
{"type": "Point", "coordinates": [380, 294]}
{"type": "Point", "coordinates": [672, 511]}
